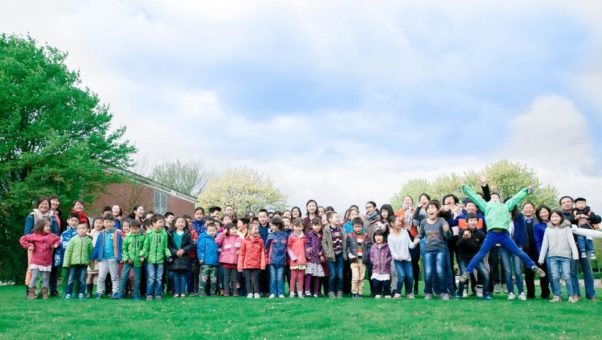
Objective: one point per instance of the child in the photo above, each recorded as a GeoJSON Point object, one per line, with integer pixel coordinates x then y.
{"type": "Point", "coordinates": [251, 260]}
{"type": "Point", "coordinates": [126, 227]}
{"type": "Point", "coordinates": [584, 218]}
{"type": "Point", "coordinates": [93, 267]}
{"type": "Point", "coordinates": [559, 245]}
{"type": "Point", "coordinates": [334, 244]}
{"type": "Point", "coordinates": [469, 243]}
{"type": "Point", "coordinates": [66, 236]}
{"type": "Point", "coordinates": [497, 215]}
{"type": "Point", "coordinates": [400, 244]}
{"type": "Point", "coordinates": [276, 245]}
{"type": "Point", "coordinates": [297, 260]}
{"type": "Point", "coordinates": [107, 252]}
{"type": "Point", "coordinates": [180, 245]}
{"type": "Point", "coordinates": [229, 243]}
{"type": "Point", "coordinates": [41, 242]}
{"type": "Point", "coordinates": [77, 258]}
{"type": "Point", "coordinates": [358, 252]}
{"type": "Point", "coordinates": [315, 257]}
{"type": "Point", "coordinates": [380, 258]}
{"type": "Point", "coordinates": [207, 255]}
{"type": "Point", "coordinates": [132, 247]}
{"type": "Point", "coordinates": [154, 252]}
{"type": "Point", "coordinates": [435, 231]}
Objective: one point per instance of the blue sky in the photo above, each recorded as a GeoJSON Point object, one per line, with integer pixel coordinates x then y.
{"type": "Point", "coordinates": [334, 93]}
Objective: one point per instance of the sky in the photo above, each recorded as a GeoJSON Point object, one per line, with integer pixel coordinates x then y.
{"type": "Point", "coordinates": [342, 101]}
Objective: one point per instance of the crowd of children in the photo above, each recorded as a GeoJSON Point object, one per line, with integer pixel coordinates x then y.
{"type": "Point", "coordinates": [148, 255]}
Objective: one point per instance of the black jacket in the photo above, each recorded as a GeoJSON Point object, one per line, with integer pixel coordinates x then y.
{"type": "Point", "coordinates": [180, 263]}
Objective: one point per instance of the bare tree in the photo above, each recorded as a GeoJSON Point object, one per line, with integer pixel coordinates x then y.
{"type": "Point", "coordinates": [188, 178]}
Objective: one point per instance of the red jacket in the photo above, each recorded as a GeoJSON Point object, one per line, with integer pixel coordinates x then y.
{"type": "Point", "coordinates": [42, 247]}
{"type": "Point", "coordinates": [229, 248]}
{"type": "Point", "coordinates": [296, 249]}
{"type": "Point", "coordinates": [252, 254]}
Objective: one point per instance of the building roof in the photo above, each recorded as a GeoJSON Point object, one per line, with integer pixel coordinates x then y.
{"type": "Point", "coordinates": [153, 184]}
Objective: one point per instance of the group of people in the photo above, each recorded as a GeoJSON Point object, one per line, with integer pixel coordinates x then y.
{"type": "Point", "coordinates": [317, 254]}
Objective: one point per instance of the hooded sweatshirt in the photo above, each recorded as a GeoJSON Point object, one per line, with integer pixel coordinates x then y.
{"type": "Point", "coordinates": [558, 241]}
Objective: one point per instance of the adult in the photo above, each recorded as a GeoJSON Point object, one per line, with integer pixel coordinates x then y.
{"type": "Point", "coordinates": [311, 208]}
{"type": "Point", "coordinates": [449, 211]}
{"type": "Point", "coordinates": [296, 213]}
{"type": "Point", "coordinates": [117, 213]}
{"type": "Point", "coordinates": [408, 213]}
{"type": "Point", "coordinates": [542, 215]}
{"type": "Point", "coordinates": [512, 263]}
{"type": "Point", "coordinates": [566, 206]}
{"type": "Point", "coordinates": [531, 250]}
{"type": "Point", "coordinates": [78, 208]}
{"type": "Point", "coordinates": [55, 203]}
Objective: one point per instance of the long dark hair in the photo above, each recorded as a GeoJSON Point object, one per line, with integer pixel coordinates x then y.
{"type": "Point", "coordinates": [307, 210]}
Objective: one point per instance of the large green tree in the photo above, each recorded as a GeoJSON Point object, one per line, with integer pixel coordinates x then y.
{"type": "Point", "coordinates": [504, 176]}
{"type": "Point", "coordinates": [55, 139]}
{"type": "Point", "coordinates": [243, 188]}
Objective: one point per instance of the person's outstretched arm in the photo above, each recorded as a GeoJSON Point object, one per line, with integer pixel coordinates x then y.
{"type": "Point", "coordinates": [478, 200]}
{"type": "Point", "coordinates": [511, 203]}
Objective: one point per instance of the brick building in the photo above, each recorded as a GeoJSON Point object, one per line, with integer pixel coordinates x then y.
{"type": "Point", "coordinates": [143, 191]}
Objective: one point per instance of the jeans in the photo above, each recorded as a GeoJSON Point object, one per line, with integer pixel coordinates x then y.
{"type": "Point", "coordinates": [557, 265]}
{"type": "Point", "coordinates": [512, 265]}
{"type": "Point", "coordinates": [381, 287]}
{"type": "Point", "coordinates": [504, 239]}
{"type": "Point", "coordinates": [105, 267]}
{"type": "Point", "coordinates": [483, 270]}
{"type": "Point", "coordinates": [252, 280]}
{"type": "Point", "coordinates": [448, 285]}
{"type": "Point", "coordinates": [179, 279]}
{"type": "Point", "coordinates": [584, 244]}
{"type": "Point", "coordinates": [335, 271]}
{"type": "Point", "coordinates": [434, 261]}
{"type": "Point", "coordinates": [404, 274]}
{"type": "Point", "coordinates": [125, 276]}
{"type": "Point", "coordinates": [80, 272]}
{"type": "Point", "coordinates": [276, 279]}
{"type": "Point", "coordinates": [155, 276]}
{"type": "Point", "coordinates": [588, 277]}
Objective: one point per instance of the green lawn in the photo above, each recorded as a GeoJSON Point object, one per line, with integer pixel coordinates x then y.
{"type": "Point", "coordinates": [317, 318]}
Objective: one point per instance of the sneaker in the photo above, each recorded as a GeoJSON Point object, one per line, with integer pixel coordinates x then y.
{"type": "Point", "coordinates": [397, 296]}
{"type": "Point", "coordinates": [360, 296]}
{"type": "Point", "coordinates": [445, 297]}
{"type": "Point", "coordinates": [136, 298]}
{"type": "Point", "coordinates": [487, 297]}
{"type": "Point", "coordinates": [387, 296]}
{"type": "Point", "coordinates": [593, 256]}
{"type": "Point", "coordinates": [292, 295]}
{"type": "Point", "coordinates": [272, 296]}
{"type": "Point", "coordinates": [558, 299]}
{"type": "Point", "coordinates": [98, 296]}
{"type": "Point", "coordinates": [463, 278]}
{"type": "Point", "coordinates": [301, 296]}
{"type": "Point", "coordinates": [497, 288]}
{"type": "Point", "coordinates": [158, 298]}
{"type": "Point", "coordinates": [281, 296]}
{"type": "Point", "coordinates": [307, 293]}
{"type": "Point", "coordinates": [583, 255]}
{"type": "Point", "coordinates": [410, 296]}
{"type": "Point", "coordinates": [428, 296]}
{"type": "Point", "coordinates": [250, 296]}
{"type": "Point", "coordinates": [511, 296]}
{"type": "Point", "coordinates": [316, 295]}
{"type": "Point", "coordinates": [571, 300]}
{"type": "Point", "coordinates": [522, 296]}
{"type": "Point", "coordinates": [339, 294]}
{"type": "Point", "coordinates": [149, 298]}
{"type": "Point", "coordinates": [331, 295]}
{"type": "Point", "coordinates": [225, 295]}
{"type": "Point", "coordinates": [67, 296]}
{"type": "Point", "coordinates": [256, 296]}
{"type": "Point", "coordinates": [115, 296]}
{"type": "Point", "coordinates": [538, 271]}
{"type": "Point", "coordinates": [576, 298]}
{"type": "Point", "coordinates": [81, 296]}
{"type": "Point", "coordinates": [377, 296]}
{"type": "Point", "coordinates": [465, 294]}
{"type": "Point", "coordinates": [458, 297]}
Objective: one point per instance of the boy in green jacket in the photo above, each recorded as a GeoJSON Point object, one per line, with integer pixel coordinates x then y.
{"type": "Point", "coordinates": [77, 259]}
{"type": "Point", "coordinates": [132, 246]}
{"type": "Point", "coordinates": [155, 251]}
{"type": "Point", "coordinates": [497, 215]}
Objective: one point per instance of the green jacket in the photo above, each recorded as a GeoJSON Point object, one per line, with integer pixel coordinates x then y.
{"type": "Point", "coordinates": [132, 246]}
{"type": "Point", "coordinates": [155, 248]}
{"type": "Point", "coordinates": [78, 251]}
{"type": "Point", "coordinates": [497, 214]}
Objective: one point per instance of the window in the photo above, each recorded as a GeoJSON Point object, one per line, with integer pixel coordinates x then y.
{"type": "Point", "coordinates": [160, 202]}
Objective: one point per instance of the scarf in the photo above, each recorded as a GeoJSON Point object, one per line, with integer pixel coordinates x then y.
{"type": "Point", "coordinates": [82, 216]}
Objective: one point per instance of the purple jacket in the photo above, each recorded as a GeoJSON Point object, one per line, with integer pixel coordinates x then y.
{"type": "Point", "coordinates": [313, 247]}
{"type": "Point", "coordinates": [380, 259]}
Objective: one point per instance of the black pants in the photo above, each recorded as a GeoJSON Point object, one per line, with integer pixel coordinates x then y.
{"type": "Point", "coordinates": [346, 277]}
{"type": "Point", "coordinates": [415, 253]}
{"type": "Point", "coordinates": [252, 280]}
{"type": "Point", "coordinates": [230, 280]}
{"type": "Point", "coordinates": [494, 268]}
{"type": "Point", "coordinates": [264, 282]}
{"type": "Point", "coordinates": [530, 280]}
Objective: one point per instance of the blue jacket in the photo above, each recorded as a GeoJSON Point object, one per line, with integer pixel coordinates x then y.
{"type": "Point", "coordinates": [66, 236]}
{"type": "Point", "coordinates": [263, 232]}
{"type": "Point", "coordinates": [520, 231]}
{"type": "Point", "coordinates": [30, 223]}
{"type": "Point", "coordinates": [207, 250]}
{"type": "Point", "coordinates": [276, 245]}
{"type": "Point", "coordinates": [199, 226]}
{"type": "Point", "coordinates": [99, 247]}
{"type": "Point", "coordinates": [538, 231]}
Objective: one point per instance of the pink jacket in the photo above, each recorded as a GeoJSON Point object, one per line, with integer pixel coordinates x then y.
{"type": "Point", "coordinates": [42, 247]}
{"type": "Point", "coordinates": [296, 249]}
{"type": "Point", "coordinates": [229, 248]}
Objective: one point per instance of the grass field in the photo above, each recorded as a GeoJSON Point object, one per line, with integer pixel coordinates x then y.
{"type": "Point", "coordinates": [320, 318]}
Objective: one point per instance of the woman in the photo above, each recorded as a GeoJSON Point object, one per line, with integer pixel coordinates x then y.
{"type": "Point", "coordinates": [312, 208]}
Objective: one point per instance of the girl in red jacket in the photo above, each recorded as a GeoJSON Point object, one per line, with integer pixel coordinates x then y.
{"type": "Point", "coordinates": [230, 244]}
{"type": "Point", "coordinates": [297, 260]}
{"type": "Point", "coordinates": [41, 242]}
{"type": "Point", "coordinates": [251, 260]}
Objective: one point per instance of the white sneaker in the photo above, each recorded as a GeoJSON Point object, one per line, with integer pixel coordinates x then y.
{"type": "Point", "coordinates": [593, 256]}
{"type": "Point", "coordinates": [377, 296]}
{"type": "Point", "coordinates": [281, 296]}
{"type": "Point", "coordinates": [272, 296]}
{"type": "Point", "coordinates": [583, 255]}
{"type": "Point", "coordinates": [301, 295]}
{"type": "Point", "coordinates": [522, 296]}
{"type": "Point", "coordinates": [387, 296]}
{"type": "Point", "coordinates": [497, 288]}
{"type": "Point", "coordinates": [257, 296]}
{"type": "Point", "coordinates": [428, 296]}
{"type": "Point", "coordinates": [250, 296]}
{"type": "Point", "coordinates": [397, 296]}
{"type": "Point", "coordinates": [292, 295]}
{"type": "Point", "coordinates": [445, 297]}
{"type": "Point", "coordinates": [465, 294]}
{"type": "Point", "coordinates": [511, 296]}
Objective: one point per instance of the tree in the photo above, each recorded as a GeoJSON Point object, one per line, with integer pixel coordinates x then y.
{"type": "Point", "coordinates": [245, 189]}
{"type": "Point", "coordinates": [186, 178]}
{"type": "Point", "coordinates": [55, 139]}
{"type": "Point", "coordinates": [505, 177]}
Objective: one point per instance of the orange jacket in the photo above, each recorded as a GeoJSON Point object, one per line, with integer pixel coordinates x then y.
{"type": "Point", "coordinates": [252, 254]}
